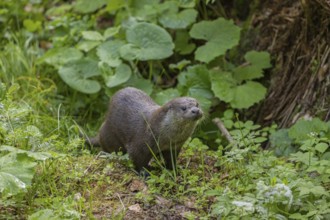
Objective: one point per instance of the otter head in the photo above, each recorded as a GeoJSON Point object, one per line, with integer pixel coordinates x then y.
{"type": "Point", "coordinates": [185, 108]}
{"type": "Point", "coordinates": [180, 119]}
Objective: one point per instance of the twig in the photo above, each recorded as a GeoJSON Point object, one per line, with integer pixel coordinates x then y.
{"type": "Point", "coordinates": [90, 165]}
{"type": "Point", "coordinates": [223, 129]}
{"type": "Point", "coordinates": [117, 194]}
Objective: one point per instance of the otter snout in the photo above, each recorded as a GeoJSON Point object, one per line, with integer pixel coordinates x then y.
{"type": "Point", "coordinates": [196, 112]}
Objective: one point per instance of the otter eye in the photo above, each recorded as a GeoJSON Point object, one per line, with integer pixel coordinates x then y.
{"type": "Point", "coordinates": [184, 108]}
{"type": "Point", "coordinates": [197, 105]}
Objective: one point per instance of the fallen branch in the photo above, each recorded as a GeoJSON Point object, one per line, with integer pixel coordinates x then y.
{"type": "Point", "coordinates": [223, 129]}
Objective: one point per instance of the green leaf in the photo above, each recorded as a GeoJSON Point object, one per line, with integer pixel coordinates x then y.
{"type": "Point", "coordinates": [195, 82]}
{"type": "Point", "coordinates": [187, 3]}
{"type": "Point", "coordinates": [220, 35]}
{"type": "Point", "coordinates": [164, 96]}
{"type": "Point", "coordinates": [76, 75]}
{"type": "Point", "coordinates": [31, 25]}
{"type": "Point", "coordinates": [87, 6]}
{"type": "Point", "coordinates": [59, 10]}
{"type": "Point", "coordinates": [303, 129]}
{"type": "Point", "coordinates": [282, 143]}
{"type": "Point", "coordinates": [92, 35]}
{"type": "Point", "coordinates": [108, 52]}
{"type": "Point", "coordinates": [146, 10]}
{"type": "Point", "coordinates": [140, 83]}
{"type": "Point", "coordinates": [297, 216]}
{"type": "Point", "coordinates": [174, 19]}
{"type": "Point", "coordinates": [60, 212]}
{"type": "Point", "coordinates": [114, 5]}
{"type": "Point", "coordinates": [60, 56]}
{"type": "Point", "coordinates": [256, 62]}
{"type": "Point", "coordinates": [147, 42]}
{"type": "Point", "coordinates": [16, 173]}
{"type": "Point", "coordinates": [122, 74]}
{"type": "Point", "coordinates": [44, 214]}
{"type": "Point", "coordinates": [36, 155]}
{"type": "Point", "coordinates": [87, 45]}
{"type": "Point", "coordinates": [180, 65]}
{"type": "Point", "coordinates": [228, 114]}
{"type": "Point", "coordinates": [109, 32]}
{"type": "Point", "coordinates": [321, 147]}
{"type": "Point", "coordinates": [223, 85]}
{"type": "Point", "coordinates": [311, 188]}
{"type": "Point", "coordinates": [182, 44]}
{"type": "Point", "coordinates": [248, 94]}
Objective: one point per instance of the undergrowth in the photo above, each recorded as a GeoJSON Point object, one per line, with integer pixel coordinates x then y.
{"type": "Point", "coordinates": [47, 173]}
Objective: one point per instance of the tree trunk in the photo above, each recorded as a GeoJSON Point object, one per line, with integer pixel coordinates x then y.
{"type": "Point", "coordinates": [297, 34]}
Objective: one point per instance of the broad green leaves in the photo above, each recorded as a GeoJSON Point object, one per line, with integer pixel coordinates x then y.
{"type": "Point", "coordinates": [147, 42]}
{"type": "Point", "coordinates": [253, 69]}
{"type": "Point", "coordinates": [138, 44]}
{"type": "Point", "coordinates": [92, 35]}
{"type": "Point", "coordinates": [77, 75]}
{"type": "Point", "coordinates": [31, 25]}
{"type": "Point", "coordinates": [166, 95]}
{"type": "Point", "coordinates": [220, 35]}
{"type": "Point", "coordinates": [304, 129]}
{"type": "Point", "coordinates": [248, 94]}
{"type": "Point", "coordinates": [61, 56]}
{"type": "Point", "coordinates": [16, 173]}
{"type": "Point", "coordinates": [108, 52]}
{"type": "Point", "coordinates": [122, 74]}
{"type": "Point", "coordinates": [230, 86]}
{"type": "Point", "coordinates": [172, 18]}
{"type": "Point", "coordinates": [87, 6]}
{"type": "Point", "coordinates": [195, 82]}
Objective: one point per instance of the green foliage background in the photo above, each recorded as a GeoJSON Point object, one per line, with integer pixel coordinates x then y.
{"type": "Point", "coordinates": [61, 61]}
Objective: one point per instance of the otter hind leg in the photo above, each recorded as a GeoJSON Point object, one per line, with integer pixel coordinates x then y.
{"type": "Point", "coordinates": [170, 157]}
{"type": "Point", "coordinates": [140, 157]}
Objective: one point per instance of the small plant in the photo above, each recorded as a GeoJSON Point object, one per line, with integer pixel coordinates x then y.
{"type": "Point", "coordinates": [262, 186]}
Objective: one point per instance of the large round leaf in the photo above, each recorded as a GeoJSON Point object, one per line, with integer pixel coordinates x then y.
{"type": "Point", "coordinates": [147, 42]}
{"type": "Point", "coordinates": [76, 74]}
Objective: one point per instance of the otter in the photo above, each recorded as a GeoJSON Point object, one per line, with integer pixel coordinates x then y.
{"type": "Point", "coordinates": [136, 125]}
